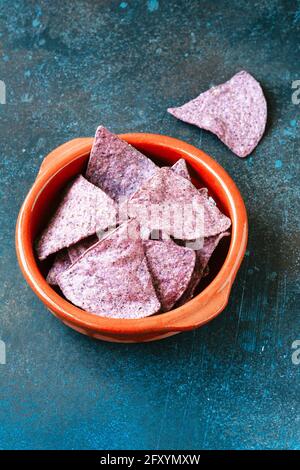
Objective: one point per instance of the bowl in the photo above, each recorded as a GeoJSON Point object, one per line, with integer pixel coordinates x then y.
{"type": "Point", "coordinates": [70, 159]}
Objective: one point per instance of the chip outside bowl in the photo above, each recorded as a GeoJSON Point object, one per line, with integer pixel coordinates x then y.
{"type": "Point", "coordinates": [70, 159]}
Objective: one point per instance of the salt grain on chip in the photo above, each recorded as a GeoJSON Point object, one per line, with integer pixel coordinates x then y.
{"type": "Point", "coordinates": [171, 267]}
{"type": "Point", "coordinates": [117, 167]}
{"type": "Point", "coordinates": [111, 278]}
{"type": "Point", "coordinates": [236, 111]}
{"type": "Point", "coordinates": [83, 210]}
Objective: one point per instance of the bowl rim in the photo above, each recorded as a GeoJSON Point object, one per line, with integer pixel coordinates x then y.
{"type": "Point", "coordinates": [182, 318]}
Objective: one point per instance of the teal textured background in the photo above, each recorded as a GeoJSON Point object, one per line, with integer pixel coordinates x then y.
{"type": "Point", "coordinates": [71, 65]}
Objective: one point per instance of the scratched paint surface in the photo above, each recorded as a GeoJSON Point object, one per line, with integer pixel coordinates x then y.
{"type": "Point", "coordinates": [71, 65]}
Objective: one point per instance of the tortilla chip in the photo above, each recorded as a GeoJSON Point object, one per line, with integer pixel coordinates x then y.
{"type": "Point", "coordinates": [61, 263]}
{"type": "Point", "coordinates": [212, 214]}
{"type": "Point", "coordinates": [212, 211]}
{"type": "Point", "coordinates": [116, 167]}
{"type": "Point", "coordinates": [172, 204]}
{"type": "Point", "coordinates": [236, 111]}
{"type": "Point", "coordinates": [111, 278]}
{"type": "Point", "coordinates": [83, 210]}
{"type": "Point", "coordinates": [75, 251]}
{"type": "Point", "coordinates": [171, 267]}
{"type": "Point", "coordinates": [180, 167]}
{"type": "Point", "coordinates": [201, 266]}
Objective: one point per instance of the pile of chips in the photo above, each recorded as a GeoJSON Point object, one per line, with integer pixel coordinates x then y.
{"type": "Point", "coordinates": [130, 239]}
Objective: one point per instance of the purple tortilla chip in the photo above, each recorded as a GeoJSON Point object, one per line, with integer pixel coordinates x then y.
{"type": "Point", "coordinates": [202, 258]}
{"type": "Point", "coordinates": [111, 278]}
{"type": "Point", "coordinates": [117, 167]}
{"type": "Point", "coordinates": [172, 204]}
{"type": "Point", "coordinates": [171, 267]}
{"type": "Point", "coordinates": [236, 111]}
{"type": "Point", "coordinates": [83, 210]}
{"type": "Point", "coordinates": [61, 263]}
{"type": "Point", "coordinates": [213, 217]}
{"type": "Point", "coordinates": [212, 212]}
{"type": "Point", "coordinates": [75, 251]}
{"type": "Point", "coordinates": [180, 167]}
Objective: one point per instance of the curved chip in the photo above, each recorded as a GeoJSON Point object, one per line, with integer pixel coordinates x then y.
{"type": "Point", "coordinates": [236, 111]}
{"type": "Point", "coordinates": [117, 167]}
{"type": "Point", "coordinates": [111, 278]}
{"type": "Point", "coordinates": [83, 210]}
{"type": "Point", "coordinates": [171, 267]}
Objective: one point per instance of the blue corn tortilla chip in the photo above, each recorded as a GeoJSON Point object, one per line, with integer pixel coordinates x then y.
{"type": "Point", "coordinates": [111, 278]}
{"type": "Point", "coordinates": [84, 210]}
{"type": "Point", "coordinates": [212, 214]}
{"type": "Point", "coordinates": [116, 167]}
{"type": "Point", "coordinates": [236, 111]}
{"type": "Point", "coordinates": [171, 267]}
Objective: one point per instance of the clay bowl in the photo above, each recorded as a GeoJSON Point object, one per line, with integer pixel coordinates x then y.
{"type": "Point", "coordinates": [70, 159]}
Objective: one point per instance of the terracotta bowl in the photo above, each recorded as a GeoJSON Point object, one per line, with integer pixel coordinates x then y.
{"type": "Point", "coordinates": [68, 160]}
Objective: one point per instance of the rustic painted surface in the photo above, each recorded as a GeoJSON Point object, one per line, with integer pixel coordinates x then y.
{"type": "Point", "coordinates": [69, 66]}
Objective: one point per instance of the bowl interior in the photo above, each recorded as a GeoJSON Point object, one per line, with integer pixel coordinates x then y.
{"type": "Point", "coordinates": [48, 198]}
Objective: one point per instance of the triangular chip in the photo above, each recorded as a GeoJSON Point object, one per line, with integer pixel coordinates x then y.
{"type": "Point", "coordinates": [61, 262]}
{"type": "Point", "coordinates": [83, 210]}
{"type": "Point", "coordinates": [180, 167]}
{"type": "Point", "coordinates": [202, 258]}
{"type": "Point", "coordinates": [213, 217]}
{"type": "Point", "coordinates": [111, 278]}
{"type": "Point", "coordinates": [171, 203]}
{"type": "Point", "coordinates": [75, 251]}
{"type": "Point", "coordinates": [236, 111]}
{"type": "Point", "coordinates": [117, 167]}
{"type": "Point", "coordinates": [171, 267]}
